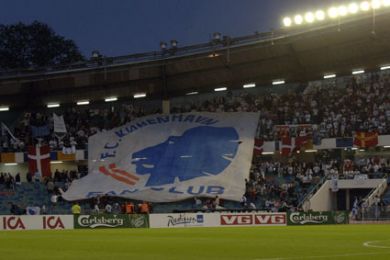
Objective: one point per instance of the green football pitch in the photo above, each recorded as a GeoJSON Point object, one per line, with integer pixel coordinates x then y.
{"type": "Point", "coordinates": [308, 242]}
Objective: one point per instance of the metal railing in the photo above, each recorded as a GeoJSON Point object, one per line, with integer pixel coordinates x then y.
{"type": "Point", "coordinates": [314, 189]}
{"type": "Point", "coordinates": [370, 199]}
{"type": "Point", "coordinates": [373, 213]}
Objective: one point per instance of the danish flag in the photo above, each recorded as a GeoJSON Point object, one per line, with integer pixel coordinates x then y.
{"type": "Point", "coordinates": [258, 148]}
{"type": "Point", "coordinates": [39, 160]}
{"type": "Point", "coordinates": [288, 146]}
{"type": "Point", "coordinates": [119, 175]}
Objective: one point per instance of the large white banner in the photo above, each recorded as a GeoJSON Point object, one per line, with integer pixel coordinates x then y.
{"type": "Point", "coordinates": [164, 158]}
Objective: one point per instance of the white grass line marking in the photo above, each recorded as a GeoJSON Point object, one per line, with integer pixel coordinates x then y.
{"type": "Point", "coordinates": [321, 256]}
{"type": "Point", "coordinates": [370, 244]}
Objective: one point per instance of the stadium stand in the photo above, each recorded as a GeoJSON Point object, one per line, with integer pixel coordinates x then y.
{"type": "Point", "coordinates": [349, 104]}
{"type": "Point", "coordinates": [333, 108]}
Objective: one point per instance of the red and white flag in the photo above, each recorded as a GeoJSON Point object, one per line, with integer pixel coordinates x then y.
{"type": "Point", "coordinates": [258, 148]}
{"type": "Point", "coordinates": [287, 146]}
{"type": "Point", "coordinates": [39, 160]}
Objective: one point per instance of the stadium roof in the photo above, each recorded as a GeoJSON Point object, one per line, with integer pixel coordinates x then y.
{"type": "Point", "coordinates": [295, 55]}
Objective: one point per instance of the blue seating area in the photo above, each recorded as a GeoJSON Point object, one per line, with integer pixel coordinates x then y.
{"type": "Point", "coordinates": [29, 194]}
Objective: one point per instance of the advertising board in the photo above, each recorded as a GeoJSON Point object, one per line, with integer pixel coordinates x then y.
{"type": "Point", "coordinates": [111, 221]}
{"type": "Point", "coordinates": [101, 221]}
{"type": "Point", "coordinates": [217, 219]}
{"type": "Point", "coordinates": [253, 219]}
{"type": "Point", "coordinates": [183, 220]}
{"type": "Point", "coordinates": [317, 218]}
{"type": "Point", "coordinates": [139, 221]}
{"type": "Point", "coordinates": [36, 222]}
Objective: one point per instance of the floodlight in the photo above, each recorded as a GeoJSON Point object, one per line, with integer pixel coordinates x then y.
{"type": "Point", "coordinates": [82, 102]}
{"type": "Point", "coordinates": [333, 12]}
{"type": "Point", "coordinates": [287, 21]}
{"type": "Point", "coordinates": [139, 95]}
{"type": "Point", "coordinates": [56, 162]}
{"type": "Point", "coordinates": [309, 17]}
{"type": "Point", "coordinates": [365, 6]}
{"type": "Point", "coordinates": [320, 15]}
{"type": "Point", "coordinates": [95, 54]}
{"type": "Point", "coordinates": [174, 43]}
{"type": "Point", "coordinates": [353, 8]}
{"type": "Point", "coordinates": [192, 93]}
{"type": "Point", "coordinates": [376, 4]}
{"type": "Point", "coordinates": [217, 36]}
{"type": "Point", "coordinates": [298, 19]}
{"type": "Point", "coordinates": [249, 85]}
{"type": "Point", "coordinates": [53, 105]}
{"type": "Point", "coordinates": [278, 82]}
{"type": "Point", "coordinates": [357, 72]}
{"type": "Point", "coordinates": [111, 99]}
{"type": "Point", "coordinates": [387, 67]}
{"type": "Point", "coordinates": [220, 89]}
{"type": "Point", "coordinates": [163, 46]}
{"type": "Point", "coordinates": [386, 3]}
{"type": "Point", "coordinates": [329, 76]}
{"type": "Point", "coordinates": [342, 10]}
{"type": "Point", "coordinates": [3, 109]}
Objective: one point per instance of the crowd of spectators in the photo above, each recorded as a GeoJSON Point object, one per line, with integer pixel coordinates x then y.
{"type": "Point", "coordinates": [9, 181]}
{"type": "Point", "coordinates": [280, 186]}
{"type": "Point", "coordinates": [276, 185]}
{"type": "Point", "coordinates": [374, 167]}
{"type": "Point", "coordinates": [80, 124]}
{"type": "Point", "coordinates": [334, 108]}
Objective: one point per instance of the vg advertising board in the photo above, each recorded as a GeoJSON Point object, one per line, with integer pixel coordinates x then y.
{"type": "Point", "coordinates": [217, 220]}
{"type": "Point", "coordinates": [253, 219]}
{"type": "Point", "coordinates": [317, 218]}
{"type": "Point", "coordinates": [111, 221]}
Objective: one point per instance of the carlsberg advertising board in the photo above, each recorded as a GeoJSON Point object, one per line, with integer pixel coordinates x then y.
{"type": "Point", "coordinates": [111, 221]}
{"type": "Point", "coordinates": [317, 218]}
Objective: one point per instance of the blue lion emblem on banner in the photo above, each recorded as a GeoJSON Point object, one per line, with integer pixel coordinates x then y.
{"type": "Point", "coordinates": [200, 151]}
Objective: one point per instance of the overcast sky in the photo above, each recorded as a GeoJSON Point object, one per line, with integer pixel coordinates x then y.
{"type": "Point", "coordinates": [120, 27]}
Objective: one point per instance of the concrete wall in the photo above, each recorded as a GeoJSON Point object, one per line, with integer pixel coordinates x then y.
{"type": "Point", "coordinates": [322, 200]}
